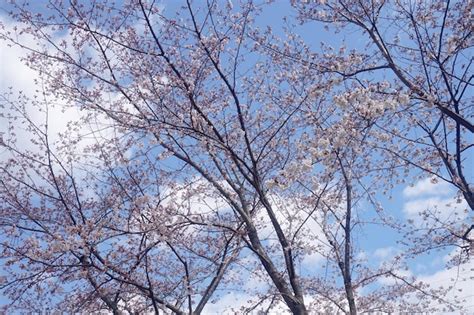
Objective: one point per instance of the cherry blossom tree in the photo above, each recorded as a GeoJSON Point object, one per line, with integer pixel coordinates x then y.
{"type": "Point", "coordinates": [424, 52]}
{"type": "Point", "coordinates": [95, 231]}
{"type": "Point", "coordinates": [216, 152]}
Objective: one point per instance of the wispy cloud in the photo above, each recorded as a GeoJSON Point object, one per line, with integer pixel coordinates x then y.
{"type": "Point", "coordinates": [442, 208]}
{"type": "Point", "coordinates": [427, 187]}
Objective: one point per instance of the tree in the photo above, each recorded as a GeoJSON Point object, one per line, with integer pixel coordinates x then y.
{"type": "Point", "coordinates": [95, 233]}
{"type": "Point", "coordinates": [222, 150]}
{"type": "Point", "coordinates": [423, 50]}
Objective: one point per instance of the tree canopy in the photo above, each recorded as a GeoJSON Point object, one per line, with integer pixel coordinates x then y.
{"type": "Point", "coordinates": [225, 146]}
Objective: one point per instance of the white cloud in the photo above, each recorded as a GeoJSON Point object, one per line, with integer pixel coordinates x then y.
{"type": "Point", "coordinates": [429, 202]}
{"type": "Point", "coordinates": [15, 78]}
{"type": "Point", "coordinates": [231, 304]}
{"type": "Point", "coordinates": [427, 187]}
{"type": "Point", "coordinates": [452, 285]}
{"type": "Point", "coordinates": [444, 209]}
{"type": "Point", "coordinates": [13, 72]}
{"type": "Point", "coordinates": [196, 198]}
{"type": "Point", "coordinates": [227, 304]}
{"type": "Point", "coordinates": [311, 260]}
{"type": "Point", "coordinates": [458, 280]}
{"type": "Point", "coordinates": [385, 253]}
{"type": "Point", "coordinates": [234, 302]}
